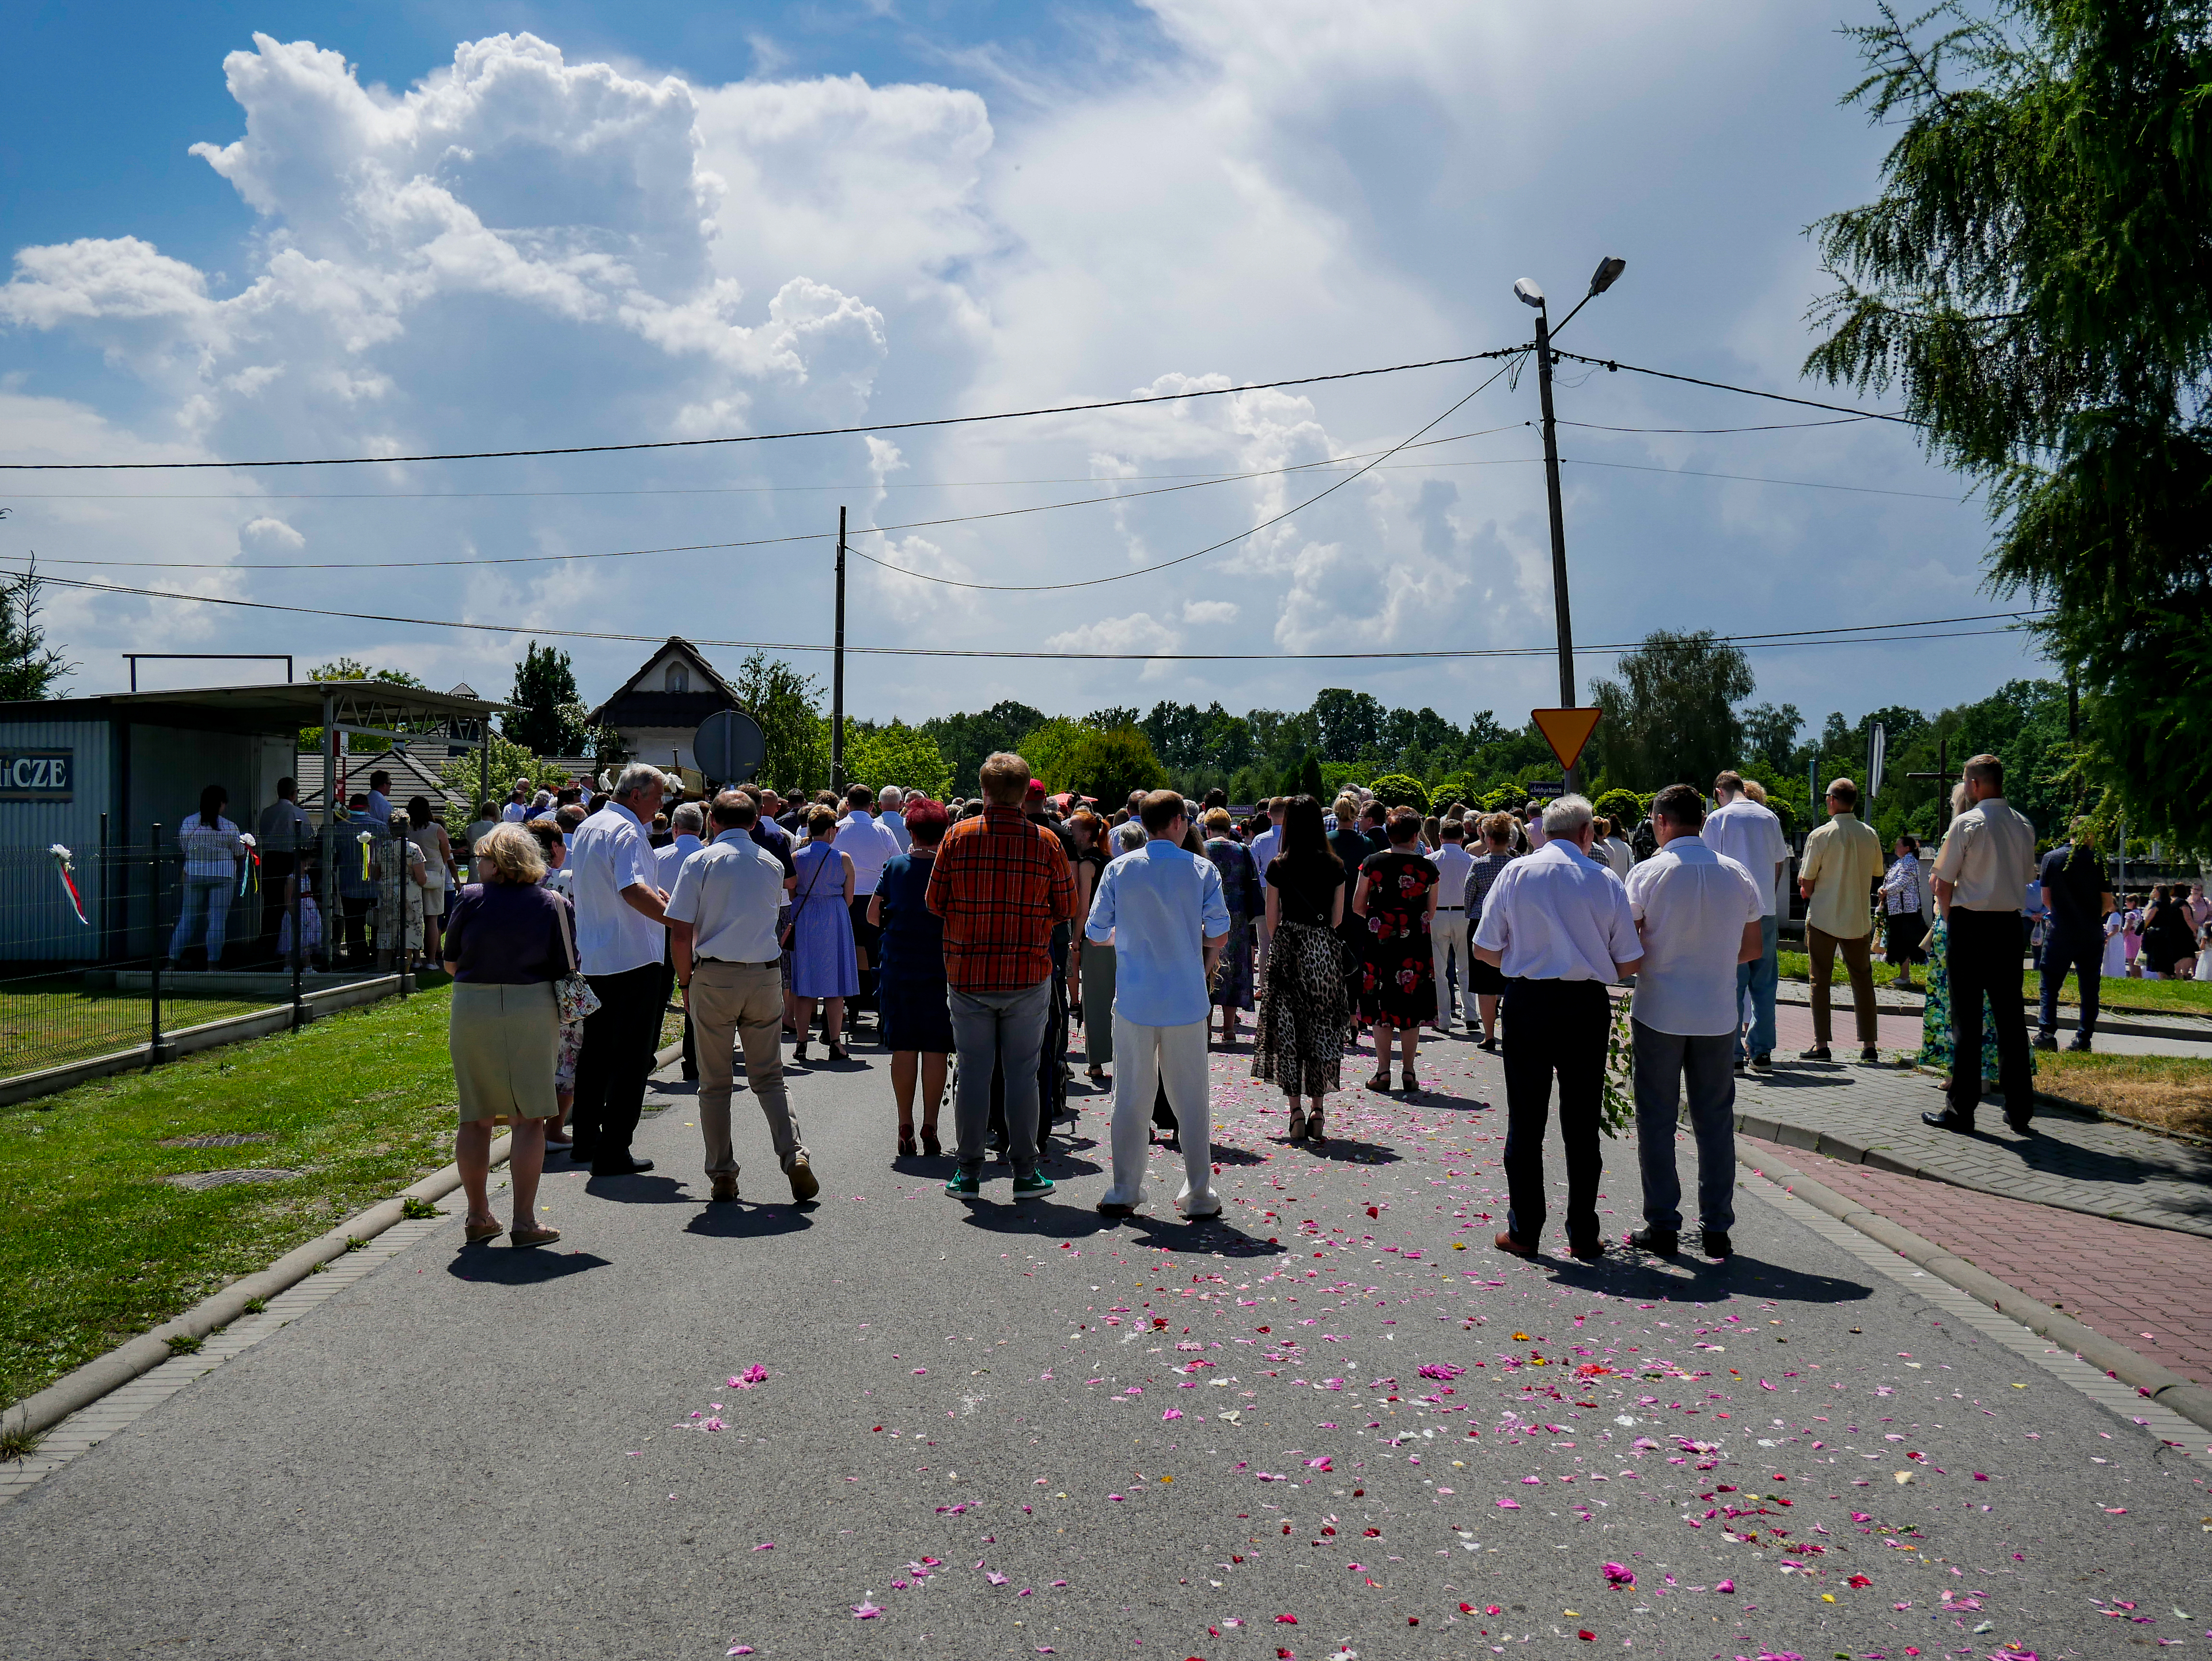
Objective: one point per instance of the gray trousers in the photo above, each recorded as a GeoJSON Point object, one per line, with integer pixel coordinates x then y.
{"type": "Point", "coordinates": [733, 1003]}
{"type": "Point", "coordinates": [1664, 1062]}
{"type": "Point", "coordinates": [1004, 1029]}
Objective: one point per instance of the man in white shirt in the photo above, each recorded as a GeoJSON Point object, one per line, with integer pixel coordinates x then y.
{"type": "Point", "coordinates": [863, 838]}
{"type": "Point", "coordinates": [1162, 911]}
{"type": "Point", "coordinates": [1557, 924]}
{"type": "Point", "coordinates": [722, 924]}
{"type": "Point", "coordinates": [1700, 914]}
{"type": "Point", "coordinates": [888, 800]}
{"type": "Point", "coordinates": [1981, 873]}
{"type": "Point", "coordinates": [1749, 833]}
{"type": "Point", "coordinates": [516, 807]}
{"type": "Point", "coordinates": [620, 913]}
{"type": "Point", "coordinates": [1448, 928]}
{"type": "Point", "coordinates": [686, 822]}
{"type": "Point", "coordinates": [380, 797]}
{"type": "Point", "coordinates": [1265, 847]}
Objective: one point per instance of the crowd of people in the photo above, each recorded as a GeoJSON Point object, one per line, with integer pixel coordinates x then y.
{"type": "Point", "coordinates": [979, 935]}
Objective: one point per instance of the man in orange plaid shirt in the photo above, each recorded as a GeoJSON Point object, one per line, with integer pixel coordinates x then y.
{"type": "Point", "coordinates": [1002, 883]}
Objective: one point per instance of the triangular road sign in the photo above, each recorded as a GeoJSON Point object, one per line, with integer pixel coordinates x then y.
{"type": "Point", "coordinates": [1566, 731]}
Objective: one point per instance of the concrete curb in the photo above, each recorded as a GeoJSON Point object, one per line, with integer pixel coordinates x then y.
{"type": "Point", "coordinates": [126, 1361]}
{"type": "Point", "coordinates": [2193, 1402]}
{"type": "Point", "coordinates": [1832, 1146]}
{"type": "Point", "coordinates": [2140, 1024]}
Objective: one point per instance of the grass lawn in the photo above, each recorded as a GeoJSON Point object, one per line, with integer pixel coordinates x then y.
{"type": "Point", "coordinates": [51, 1019]}
{"type": "Point", "coordinates": [2162, 997]}
{"type": "Point", "coordinates": [95, 1247]}
{"type": "Point", "coordinates": [2173, 1091]}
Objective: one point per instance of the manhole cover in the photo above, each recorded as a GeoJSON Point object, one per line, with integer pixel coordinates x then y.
{"type": "Point", "coordinates": [224, 1178]}
{"type": "Point", "coordinates": [227, 1138]}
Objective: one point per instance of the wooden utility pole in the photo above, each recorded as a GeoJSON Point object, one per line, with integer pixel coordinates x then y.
{"type": "Point", "coordinates": [837, 673]}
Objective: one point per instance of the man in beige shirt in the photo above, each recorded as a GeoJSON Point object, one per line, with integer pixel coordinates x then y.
{"type": "Point", "coordinates": [1843, 860]}
{"type": "Point", "coordinates": [1987, 861]}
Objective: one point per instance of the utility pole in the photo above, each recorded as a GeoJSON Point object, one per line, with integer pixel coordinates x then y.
{"type": "Point", "coordinates": [837, 674]}
{"type": "Point", "coordinates": [1558, 525]}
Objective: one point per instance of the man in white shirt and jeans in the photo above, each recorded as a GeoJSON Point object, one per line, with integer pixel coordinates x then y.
{"type": "Point", "coordinates": [1557, 924]}
{"type": "Point", "coordinates": [1700, 914]}
{"type": "Point", "coordinates": [1750, 833]}
{"type": "Point", "coordinates": [1448, 928]}
{"type": "Point", "coordinates": [620, 937]}
{"type": "Point", "coordinates": [721, 918]}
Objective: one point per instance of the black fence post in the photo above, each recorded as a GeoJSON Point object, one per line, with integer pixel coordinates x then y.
{"type": "Point", "coordinates": [154, 1057]}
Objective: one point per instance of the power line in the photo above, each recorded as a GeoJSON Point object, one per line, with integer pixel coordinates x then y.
{"type": "Point", "coordinates": [750, 438]}
{"type": "Point", "coordinates": [1834, 636]}
{"type": "Point", "coordinates": [1184, 559]}
{"type": "Point", "coordinates": [1753, 478]}
{"type": "Point", "coordinates": [1770, 427]}
{"type": "Point", "coordinates": [1615, 364]}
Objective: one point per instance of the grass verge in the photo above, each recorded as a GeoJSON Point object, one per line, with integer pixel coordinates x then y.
{"type": "Point", "coordinates": [46, 1022]}
{"type": "Point", "coordinates": [2114, 993]}
{"type": "Point", "coordinates": [94, 1246]}
{"type": "Point", "coordinates": [2173, 1092]}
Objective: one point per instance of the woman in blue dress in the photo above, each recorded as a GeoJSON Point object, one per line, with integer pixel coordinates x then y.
{"type": "Point", "coordinates": [917, 1025]}
{"type": "Point", "coordinates": [823, 964]}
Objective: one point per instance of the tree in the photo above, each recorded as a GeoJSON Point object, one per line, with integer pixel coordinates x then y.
{"type": "Point", "coordinates": [29, 668]}
{"type": "Point", "coordinates": [1302, 778]}
{"type": "Point", "coordinates": [966, 741]}
{"type": "Point", "coordinates": [788, 704]}
{"type": "Point", "coordinates": [1347, 725]}
{"type": "Point", "coordinates": [1770, 735]}
{"type": "Point", "coordinates": [1107, 766]}
{"type": "Point", "coordinates": [1671, 717]}
{"type": "Point", "coordinates": [342, 668]}
{"type": "Point", "coordinates": [2036, 278]}
{"type": "Point", "coordinates": [1046, 747]}
{"type": "Point", "coordinates": [1397, 790]}
{"type": "Point", "coordinates": [1112, 716]}
{"type": "Point", "coordinates": [1229, 743]}
{"type": "Point", "coordinates": [544, 699]}
{"type": "Point", "coordinates": [464, 774]}
{"type": "Point", "coordinates": [1176, 732]}
{"type": "Point", "coordinates": [894, 754]}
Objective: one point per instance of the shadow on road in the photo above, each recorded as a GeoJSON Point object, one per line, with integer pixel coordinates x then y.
{"type": "Point", "coordinates": [740, 1219]}
{"type": "Point", "coordinates": [495, 1266]}
{"type": "Point", "coordinates": [1690, 1279]}
{"type": "Point", "coordinates": [639, 1190]}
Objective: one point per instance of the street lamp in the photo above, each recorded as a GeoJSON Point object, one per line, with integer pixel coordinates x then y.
{"type": "Point", "coordinates": [1526, 291]}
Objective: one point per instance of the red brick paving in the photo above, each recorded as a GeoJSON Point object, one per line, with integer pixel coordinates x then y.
{"type": "Point", "coordinates": [2148, 1288]}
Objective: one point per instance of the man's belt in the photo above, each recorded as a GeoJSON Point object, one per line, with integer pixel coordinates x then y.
{"type": "Point", "coordinates": [733, 963]}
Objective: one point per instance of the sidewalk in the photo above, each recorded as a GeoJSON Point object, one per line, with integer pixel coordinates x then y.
{"type": "Point", "coordinates": [1870, 1116]}
{"type": "Point", "coordinates": [2140, 1287]}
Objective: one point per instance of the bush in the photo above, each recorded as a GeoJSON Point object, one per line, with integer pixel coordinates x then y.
{"type": "Point", "coordinates": [1399, 790]}
{"type": "Point", "coordinates": [1507, 798]}
{"type": "Point", "coordinates": [1107, 766]}
{"type": "Point", "coordinates": [1624, 805]}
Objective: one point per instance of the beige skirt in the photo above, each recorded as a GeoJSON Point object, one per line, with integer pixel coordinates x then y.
{"type": "Point", "coordinates": [504, 1041]}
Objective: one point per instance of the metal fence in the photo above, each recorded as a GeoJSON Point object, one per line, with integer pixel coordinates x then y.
{"type": "Point", "coordinates": [141, 950]}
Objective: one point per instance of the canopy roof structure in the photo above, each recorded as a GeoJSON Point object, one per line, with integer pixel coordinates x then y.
{"type": "Point", "coordinates": [374, 707]}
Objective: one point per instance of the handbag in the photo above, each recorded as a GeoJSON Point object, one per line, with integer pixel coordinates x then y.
{"type": "Point", "coordinates": [572, 991]}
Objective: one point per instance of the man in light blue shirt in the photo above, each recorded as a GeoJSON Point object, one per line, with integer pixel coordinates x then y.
{"type": "Point", "coordinates": [1162, 909]}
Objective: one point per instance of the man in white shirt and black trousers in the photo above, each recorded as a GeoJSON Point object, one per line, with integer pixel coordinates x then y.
{"type": "Point", "coordinates": [1700, 914]}
{"type": "Point", "coordinates": [1981, 876]}
{"type": "Point", "coordinates": [620, 937]}
{"type": "Point", "coordinates": [721, 921]}
{"type": "Point", "coordinates": [1557, 924]}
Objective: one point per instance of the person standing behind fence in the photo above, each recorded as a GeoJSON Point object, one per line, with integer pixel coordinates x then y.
{"type": "Point", "coordinates": [1559, 925]}
{"type": "Point", "coordinates": [1002, 884]}
{"type": "Point", "coordinates": [1843, 859]}
{"type": "Point", "coordinates": [1162, 907]}
{"type": "Point", "coordinates": [1699, 915]}
{"type": "Point", "coordinates": [721, 918]}
{"type": "Point", "coordinates": [430, 836]}
{"type": "Point", "coordinates": [1747, 831]}
{"type": "Point", "coordinates": [212, 853]}
{"type": "Point", "coordinates": [1981, 872]}
{"type": "Point", "coordinates": [508, 944]}
{"type": "Point", "coordinates": [282, 832]}
{"type": "Point", "coordinates": [620, 913]}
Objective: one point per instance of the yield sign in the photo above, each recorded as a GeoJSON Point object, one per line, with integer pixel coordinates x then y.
{"type": "Point", "coordinates": [1566, 730]}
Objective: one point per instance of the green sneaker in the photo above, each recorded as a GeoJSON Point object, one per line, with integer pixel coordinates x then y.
{"type": "Point", "coordinates": [1035, 1186]}
{"type": "Point", "coordinates": [964, 1185]}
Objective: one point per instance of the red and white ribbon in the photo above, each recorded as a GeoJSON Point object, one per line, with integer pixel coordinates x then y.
{"type": "Point", "coordinates": [62, 858]}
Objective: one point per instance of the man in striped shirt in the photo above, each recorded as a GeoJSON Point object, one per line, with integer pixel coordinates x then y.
{"type": "Point", "coordinates": [1002, 883]}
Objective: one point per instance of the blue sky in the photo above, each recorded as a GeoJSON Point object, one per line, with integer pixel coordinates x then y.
{"type": "Point", "coordinates": [431, 227]}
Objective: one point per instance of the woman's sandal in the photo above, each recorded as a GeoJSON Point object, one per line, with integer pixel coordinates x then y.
{"type": "Point", "coordinates": [477, 1232]}
{"type": "Point", "coordinates": [1298, 1125]}
{"type": "Point", "coordinates": [534, 1236]}
{"type": "Point", "coordinates": [1406, 1079]}
{"type": "Point", "coordinates": [1381, 1081]}
{"type": "Point", "coordinates": [1315, 1134]}
{"type": "Point", "coordinates": [930, 1145]}
{"type": "Point", "coordinates": [906, 1148]}
{"type": "Point", "coordinates": [839, 1053]}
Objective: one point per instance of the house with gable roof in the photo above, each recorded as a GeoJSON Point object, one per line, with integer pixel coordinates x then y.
{"type": "Point", "coordinates": [656, 711]}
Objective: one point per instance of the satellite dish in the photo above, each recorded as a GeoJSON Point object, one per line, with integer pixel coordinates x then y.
{"type": "Point", "coordinates": [729, 747]}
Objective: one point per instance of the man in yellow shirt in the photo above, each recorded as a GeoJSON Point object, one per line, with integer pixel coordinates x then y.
{"type": "Point", "coordinates": [1843, 860]}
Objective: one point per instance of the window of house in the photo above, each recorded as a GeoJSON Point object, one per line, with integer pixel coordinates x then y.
{"type": "Point", "coordinates": [678, 678]}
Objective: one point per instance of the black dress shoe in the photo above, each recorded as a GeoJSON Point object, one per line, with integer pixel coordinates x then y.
{"type": "Point", "coordinates": [1718, 1244]}
{"type": "Point", "coordinates": [2020, 1124]}
{"type": "Point", "coordinates": [1763, 1062]}
{"type": "Point", "coordinates": [621, 1166]}
{"type": "Point", "coordinates": [1662, 1241]}
{"type": "Point", "coordinates": [1948, 1120]}
{"type": "Point", "coordinates": [1819, 1052]}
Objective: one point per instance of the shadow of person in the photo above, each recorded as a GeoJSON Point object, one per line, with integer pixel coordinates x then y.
{"type": "Point", "coordinates": [637, 1190]}
{"type": "Point", "coordinates": [743, 1220]}
{"type": "Point", "coordinates": [501, 1267]}
{"type": "Point", "coordinates": [1631, 1273]}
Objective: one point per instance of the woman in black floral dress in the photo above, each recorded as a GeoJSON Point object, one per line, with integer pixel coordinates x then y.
{"type": "Point", "coordinates": [1397, 897]}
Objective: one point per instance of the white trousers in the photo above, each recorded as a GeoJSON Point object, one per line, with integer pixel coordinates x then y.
{"type": "Point", "coordinates": [1448, 934]}
{"type": "Point", "coordinates": [1145, 1059]}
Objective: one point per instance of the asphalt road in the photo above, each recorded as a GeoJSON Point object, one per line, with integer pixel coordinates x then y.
{"type": "Point", "coordinates": [992, 1430]}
